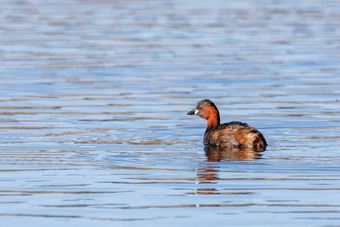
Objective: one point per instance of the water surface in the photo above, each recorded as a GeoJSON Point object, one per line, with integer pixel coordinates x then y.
{"type": "Point", "coordinates": [94, 96]}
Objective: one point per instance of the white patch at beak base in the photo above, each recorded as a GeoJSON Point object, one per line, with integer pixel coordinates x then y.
{"type": "Point", "coordinates": [196, 112]}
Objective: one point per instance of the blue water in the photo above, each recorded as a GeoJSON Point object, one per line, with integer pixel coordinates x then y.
{"type": "Point", "coordinates": [93, 103]}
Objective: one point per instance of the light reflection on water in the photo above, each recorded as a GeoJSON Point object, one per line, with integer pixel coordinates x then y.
{"type": "Point", "coordinates": [93, 105]}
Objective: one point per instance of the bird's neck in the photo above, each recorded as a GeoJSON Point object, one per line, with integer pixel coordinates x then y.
{"type": "Point", "coordinates": [213, 118]}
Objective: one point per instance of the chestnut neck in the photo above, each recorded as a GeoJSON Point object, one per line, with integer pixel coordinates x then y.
{"type": "Point", "coordinates": [212, 116]}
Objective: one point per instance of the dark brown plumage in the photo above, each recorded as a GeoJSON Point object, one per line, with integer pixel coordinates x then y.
{"type": "Point", "coordinates": [232, 134]}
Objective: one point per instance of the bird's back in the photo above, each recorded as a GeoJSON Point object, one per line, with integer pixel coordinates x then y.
{"type": "Point", "coordinates": [234, 134]}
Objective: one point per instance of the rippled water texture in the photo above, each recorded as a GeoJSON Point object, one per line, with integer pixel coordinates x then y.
{"type": "Point", "coordinates": [94, 96]}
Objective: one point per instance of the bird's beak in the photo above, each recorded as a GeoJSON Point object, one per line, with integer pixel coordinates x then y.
{"type": "Point", "coordinates": [193, 112]}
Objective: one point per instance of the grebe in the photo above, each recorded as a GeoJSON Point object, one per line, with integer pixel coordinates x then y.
{"type": "Point", "coordinates": [232, 134]}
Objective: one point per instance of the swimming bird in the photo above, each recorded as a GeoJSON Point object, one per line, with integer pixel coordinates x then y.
{"type": "Point", "coordinates": [231, 134]}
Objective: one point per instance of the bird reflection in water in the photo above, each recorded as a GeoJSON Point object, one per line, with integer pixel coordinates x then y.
{"type": "Point", "coordinates": [208, 173]}
{"type": "Point", "coordinates": [216, 154]}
